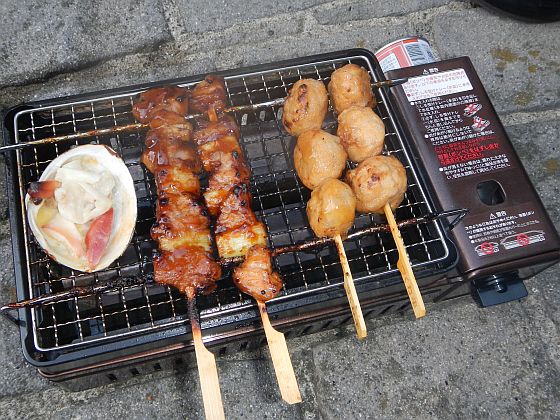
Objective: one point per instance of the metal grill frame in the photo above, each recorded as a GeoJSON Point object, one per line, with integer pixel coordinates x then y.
{"type": "Point", "coordinates": [339, 58]}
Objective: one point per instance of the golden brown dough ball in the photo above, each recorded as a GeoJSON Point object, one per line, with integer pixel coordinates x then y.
{"type": "Point", "coordinates": [318, 156]}
{"type": "Point", "coordinates": [351, 85]}
{"type": "Point", "coordinates": [376, 181]}
{"type": "Point", "coordinates": [305, 107]}
{"type": "Point", "coordinates": [331, 208]}
{"type": "Point", "coordinates": [361, 132]}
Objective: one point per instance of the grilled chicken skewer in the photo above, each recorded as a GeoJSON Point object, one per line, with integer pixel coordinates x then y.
{"type": "Point", "coordinates": [182, 228]}
{"type": "Point", "coordinates": [238, 232]}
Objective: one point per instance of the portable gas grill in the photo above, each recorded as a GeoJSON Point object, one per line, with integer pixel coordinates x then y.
{"type": "Point", "coordinates": [135, 328]}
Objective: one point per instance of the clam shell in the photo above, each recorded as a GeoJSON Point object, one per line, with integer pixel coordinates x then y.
{"type": "Point", "coordinates": [124, 206]}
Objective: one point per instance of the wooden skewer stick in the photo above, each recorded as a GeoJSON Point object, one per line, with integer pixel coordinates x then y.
{"type": "Point", "coordinates": [140, 126]}
{"type": "Point", "coordinates": [276, 343]}
{"type": "Point", "coordinates": [350, 288]}
{"type": "Point", "coordinates": [207, 370]}
{"type": "Point", "coordinates": [280, 359]}
{"type": "Point", "coordinates": [124, 282]}
{"type": "Point", "coordinates": [403, 264]}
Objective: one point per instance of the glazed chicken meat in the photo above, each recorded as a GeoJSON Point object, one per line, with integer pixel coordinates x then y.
{"type": "Point", "coordinates": [331, 208]}
{"type": "Point", "coordinates": [318, 156]}
{"type": "Point", "coordinates": [176, 153]}
{"type": "Point", "coordinates": [182, 227]}
{"type": "Point", "coordinates": [350, 86]}
{"type": "Point", "coordinates": [376, 181]}
{"type": "Point", "coordinates": [305, 107]}
{"type": "Point", "coordinates": [361, 132]}
{"type": "Point", "coordinates": [237, 230]}
{"type": "Point", "coordinates": [255, 276]}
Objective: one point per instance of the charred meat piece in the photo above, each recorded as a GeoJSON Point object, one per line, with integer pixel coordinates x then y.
{"type": "Point", "coordinates": [189, 269]}
{"type": "Point", "coordinates": [215, 153]}
{"type": "Point", "coordinates": [255, 276]}
{"type": "Point", "coordinates": [210, 93]}
{"type": "Point", "coordinates": [209, 131]}
{"type": "Point", "coordinates": [223, 182]}
{"type": "Point", "coordinates": [164, 146]}
{"type": "Point", "coordinates": [173, 179]}
{"type": "Point", "coordinates": [222, 158]}
{"type": "Point", "coordinates": [170, 98]}
{"type": "Point", "coordinates": [237, 228]}
{"type": "Point", "coordinates": [181, 221]}
{"type": "Point", "coordinates": [172, 121]}
{"type": "Point", "coordinates": [236, 210]}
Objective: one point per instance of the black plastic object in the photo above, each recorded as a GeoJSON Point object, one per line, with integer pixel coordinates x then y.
{"type": "Point", "coordinates": [471, 163]}
{"type": "Point", "coordinates": [525, 10]}
{"type": "Point", "coordinates": [498, 289]}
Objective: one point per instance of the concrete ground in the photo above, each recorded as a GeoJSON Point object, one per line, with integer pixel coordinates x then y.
{"type": "Point", "coordinates": [459, 361]}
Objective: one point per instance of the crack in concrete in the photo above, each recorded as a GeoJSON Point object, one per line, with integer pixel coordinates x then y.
{"type": "Point", "coordinates": [526, 117]}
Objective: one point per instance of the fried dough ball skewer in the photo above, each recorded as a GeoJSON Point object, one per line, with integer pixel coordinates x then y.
{"type": "Point", "coordinates": [361, 132]}
{"type": "Point", "coordinates": [305, 107]}
{"type": "Point", "coordinates": [331, 211]}
{"type": "Point", "coordinates": [379, 183]}
{"type": "Point", "coordinates": [319, 159]}
{"type": "Point", "coordinates": [182, 227]}
{"type": "Point", "coordinates": [350, 85]}
{"type": "Point", "coordinates": [238, 232]}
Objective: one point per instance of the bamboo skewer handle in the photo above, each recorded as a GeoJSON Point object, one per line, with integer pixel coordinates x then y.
{"type": "Point", "coordinates": [351, 293]}
{"type": "Point", "coordinates": [208, 374]}
{"type": "Point", "coordinates": [403, 264]}
{"type": "Point", "coordinates": [207, 371]}
{"type": "Point", "coordinates": [280, 359]}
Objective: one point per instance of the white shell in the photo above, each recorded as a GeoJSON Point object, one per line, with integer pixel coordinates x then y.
{"type": "Point", "coordinates": [124, 206]}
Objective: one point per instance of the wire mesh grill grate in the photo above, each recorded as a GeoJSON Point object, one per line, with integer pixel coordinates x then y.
{"type": "Point", "coordinates": [279, 201]}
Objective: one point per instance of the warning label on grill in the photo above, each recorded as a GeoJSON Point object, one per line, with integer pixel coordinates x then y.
{"type": "Point", "coordinates": [437, 84]}
{"type": "Point", "coordinates": [459, 128]}
{"type": "Point", "coordinates": [503, 230]}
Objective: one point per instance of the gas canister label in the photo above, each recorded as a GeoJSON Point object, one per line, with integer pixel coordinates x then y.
{"type": "Point", "coordinates": [437, 84]}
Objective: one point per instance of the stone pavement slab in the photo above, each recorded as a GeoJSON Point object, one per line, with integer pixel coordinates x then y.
{"type": "Point", "coordinates": [336, 12]}
{"type": "Point", "coordinates": [39, 38]}
{"type": "Point", "coordinates": [519, 63]}
{"type": "Point", "coordinates": [223, 14]}
{"type": "Point", "coordinates": [459, 361]}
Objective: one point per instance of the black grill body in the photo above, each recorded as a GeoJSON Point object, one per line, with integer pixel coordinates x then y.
{"type": "Point", "coordinates": [102, 338]}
